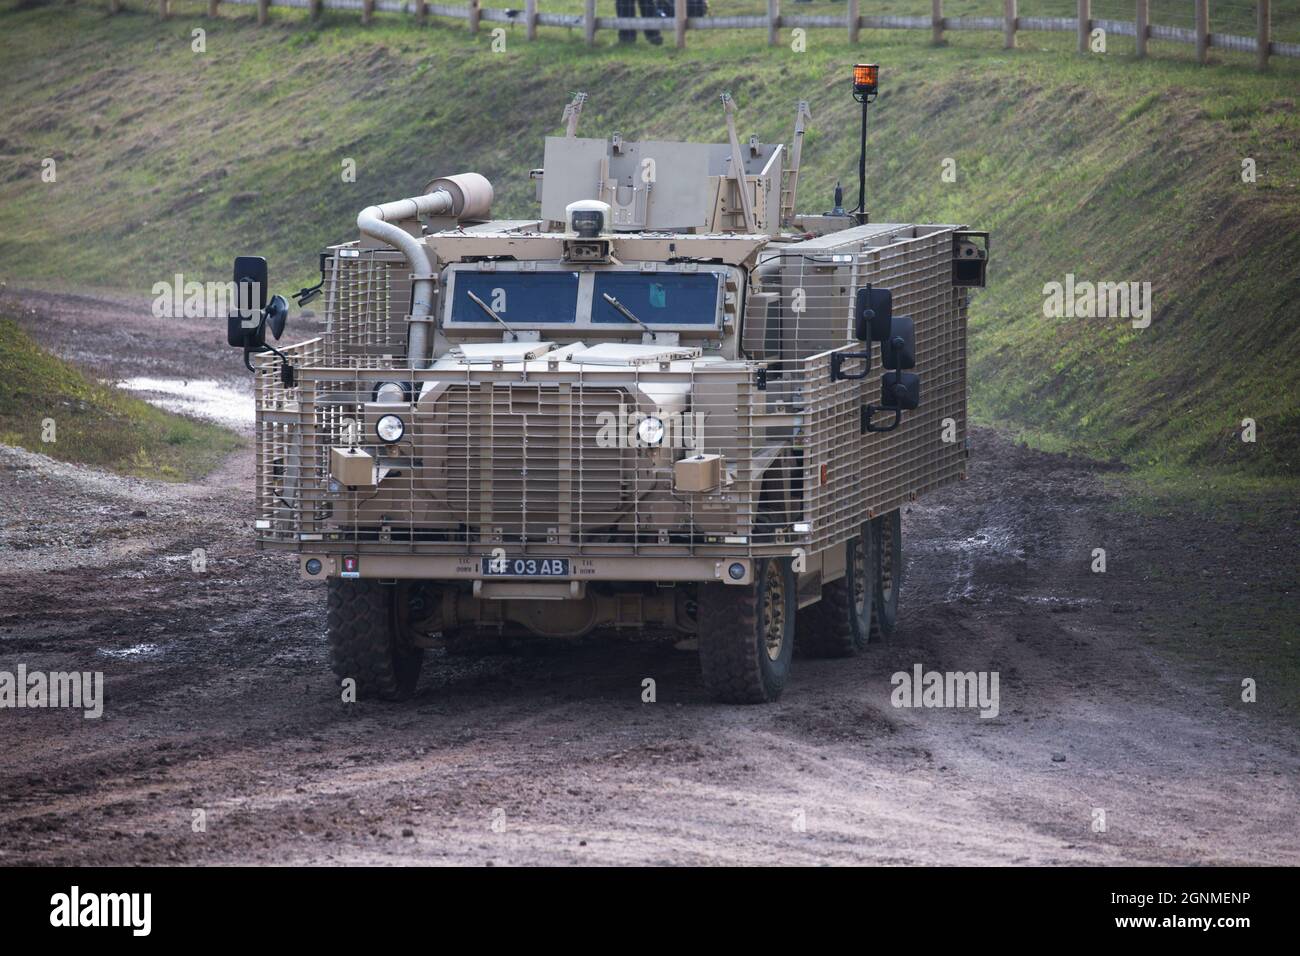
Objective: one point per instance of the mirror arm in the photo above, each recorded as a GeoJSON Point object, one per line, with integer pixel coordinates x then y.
{"type": "Point", "coordinates": [306, 294]}
{"type": "Point", "coordinates": [869, 426]}
{"type": "Point", "coordinates": [287, 375]}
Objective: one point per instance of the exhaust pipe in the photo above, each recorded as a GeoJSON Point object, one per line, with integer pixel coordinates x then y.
{"type": "Point", "coordinates": [466, 196]}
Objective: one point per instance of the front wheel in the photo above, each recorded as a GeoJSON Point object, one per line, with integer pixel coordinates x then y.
{"type": "Point", "coordinates": [366, 642]}
{"type": "Point", "coordinates": [746, 634]}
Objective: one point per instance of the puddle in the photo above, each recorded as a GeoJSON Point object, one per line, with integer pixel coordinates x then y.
{"type": "Point", "coordinates": [989, 539]}
{"type": "Point", "coordinates": [991, 542]}
{"type": "Point", "coordinates": [136, 652]}
{"type": "Point", "coordinates": [198, 397]}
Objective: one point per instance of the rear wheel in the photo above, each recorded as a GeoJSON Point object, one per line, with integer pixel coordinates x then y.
{"type": "Point", "coordinates": [838, 625]}
{"type": "Point", "coordinates": [888, 533]}
{"type": "Point", "coordinates": [366, 642]}
{"type": "Point", "coordinates": [746, 634]}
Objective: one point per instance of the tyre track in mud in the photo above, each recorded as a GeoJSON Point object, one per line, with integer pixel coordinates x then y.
{"type": "Point", "coordinates": [218, 698]}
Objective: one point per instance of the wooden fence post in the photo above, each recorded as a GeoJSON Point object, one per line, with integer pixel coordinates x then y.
{"type": "Point", "coordinates": [1143, 24]}
{"type": "Point", "coordinates": [1202, 30]}
{"type": "Point", "coordinates": [773, 22]}
{"type": "Point", "coordinates": [1085, 24]}
{"type": "Point", "coordinates": [367, 12]}
{"type": "Point", "coordinates": [1263, 32]}
{"type": "Point", "coordinates": [114, 6]}
{"type": "Point", "coordinates": [475, 14]}
{"type": "Point", "coordinates": [854, 17]}
{"type": "Point", "coordinates": [530, 19]}
{"type": "Point", "coordinates": [164, 9]}
{"type": "Point", "coordinates": [1011, 14]}
{"type": "Point", "coordinates": [936, 22]}
{"type": "Point", "coordinates": [263, 11]}
{"type": "Point", "coordinates": [316, 9]}
{"type": "Point", "coordinates": [212, 7]}
{"type": "Point", "coordinates": [679, 23]}
{"type": "Point", "coordinates": [589, 22]}
{"type": "Point", "coordinates": [421, 11]}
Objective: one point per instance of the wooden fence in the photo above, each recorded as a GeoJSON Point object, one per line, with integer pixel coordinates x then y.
{"type": "Point", "coordinates": [1009, 24]}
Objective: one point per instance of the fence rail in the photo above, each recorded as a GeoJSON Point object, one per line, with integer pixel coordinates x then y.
{"type": "Point", "coordinates": [1009, 24]}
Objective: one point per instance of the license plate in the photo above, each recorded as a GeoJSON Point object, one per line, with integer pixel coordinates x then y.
{"type": "Point", "coordinates": [526, 567]}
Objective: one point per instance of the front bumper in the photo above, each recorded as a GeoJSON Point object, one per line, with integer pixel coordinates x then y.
{"type": "Point", "coordinates": [469, 567]}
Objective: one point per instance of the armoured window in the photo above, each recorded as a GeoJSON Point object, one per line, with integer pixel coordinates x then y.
{"type": "Point", "coordinates": [669, 298]}
{"type": "Point", "coordinates": [521, 298]}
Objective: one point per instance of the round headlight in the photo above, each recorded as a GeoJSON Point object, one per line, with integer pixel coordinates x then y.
{"type": "Point", "coordinates": [390, 428]}
{"type": "Point", "coordinates": [390, 392]}
{"type": "Point", "coordinates": [313, 566]}
{"type": "Point", "coordinates": [737, 571]}
{"type": "Point", "coordinates": [650, 430]}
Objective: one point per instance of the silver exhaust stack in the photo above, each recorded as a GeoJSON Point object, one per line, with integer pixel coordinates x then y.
{"type": "Point", "coordinates": [464, 196]}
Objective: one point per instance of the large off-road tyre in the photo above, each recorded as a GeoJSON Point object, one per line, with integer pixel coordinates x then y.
{"type": "Point", "coordinates": [366, 643]}
{"type": "Point", "coordinates": [839, 625]}
{"type": "Point", "coordinates": [888, 533]}
{"type": "Point", "coordinates": [746, 634]}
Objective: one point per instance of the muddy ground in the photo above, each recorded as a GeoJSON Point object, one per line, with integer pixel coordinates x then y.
{"type": "Point", "coordinates": [219, 698]}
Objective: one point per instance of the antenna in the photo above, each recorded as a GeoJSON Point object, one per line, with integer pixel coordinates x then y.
{"type": "Point", "coordinates": [572, 110]}
{"type": "Point", "coordinates": [789, 194]}
{"type": "Point", "coordinates": [738, 164]}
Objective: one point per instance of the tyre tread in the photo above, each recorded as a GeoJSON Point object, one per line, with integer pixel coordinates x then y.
{"type": "Point", "coordinates": [359, 619]}
{"type": "Point", "coordinates": [728, 629]}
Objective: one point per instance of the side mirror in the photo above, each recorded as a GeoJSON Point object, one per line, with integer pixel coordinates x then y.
{"type": "Point", "coordinates": [898, 349]}
{"type": "Point", "coordinates": [244, 326]}
{"type": "Point", "coordinates": [277, 313]}
{"type": "Point", "coordinates": [900, 390]}
{"type": "Point", "coordinates": [872, 313]}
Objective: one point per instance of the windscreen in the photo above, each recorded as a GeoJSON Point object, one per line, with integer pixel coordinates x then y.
{"type": "Point", "coordinates": [669, 298]}
{"type": "Point", "coordinates": [520, 298]}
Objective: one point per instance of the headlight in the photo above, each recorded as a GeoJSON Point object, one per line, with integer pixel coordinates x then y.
{"type": "Point", "coordinates": [390, 428]}
{"type": "Point", "coordinates": [650, 430]}
{"type": "Point", "coordinates": [389, 393]}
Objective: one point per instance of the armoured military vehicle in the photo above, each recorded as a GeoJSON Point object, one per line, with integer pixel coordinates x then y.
{"type": "Point", "coordinates": [667, 401]}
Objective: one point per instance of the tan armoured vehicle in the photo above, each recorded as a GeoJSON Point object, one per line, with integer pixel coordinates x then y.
{"type": "Point", "coordinates": [667, 401]}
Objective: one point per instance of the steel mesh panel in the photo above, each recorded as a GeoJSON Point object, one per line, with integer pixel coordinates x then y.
{"type": "Point", "coordinates": [523, 463]}
{"type": "Point", "coordinates": [915, 458]}
{"type": "Point", "coordinates": [366, 302]}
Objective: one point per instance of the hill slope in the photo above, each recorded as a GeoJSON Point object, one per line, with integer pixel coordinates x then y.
{"type": "Point", "coordinates": [50, 406]}
{"type": "Point", "coordinates": [1101, 167]}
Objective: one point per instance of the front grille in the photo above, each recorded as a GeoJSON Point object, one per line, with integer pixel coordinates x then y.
{"type": "Point", "coordinates": [523, 462]}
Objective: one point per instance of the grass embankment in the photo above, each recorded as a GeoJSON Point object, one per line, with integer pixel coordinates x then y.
{"type": "Point", "coordinates": [1104, 167]}
{"type": "Point", "coordinates": [44, 397]}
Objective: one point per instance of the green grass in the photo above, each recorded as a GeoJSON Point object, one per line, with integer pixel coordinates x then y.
{"type": "Point", "coordinates": [93, 423]}
{"type": "Point", "coordinates": [1106, 167]}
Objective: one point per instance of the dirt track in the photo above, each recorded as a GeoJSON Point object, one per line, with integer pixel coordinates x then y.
{"type": "Point", "coordinates": [219, 697]}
